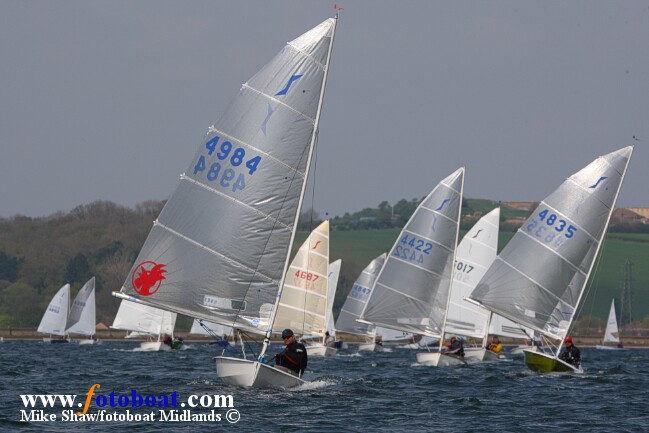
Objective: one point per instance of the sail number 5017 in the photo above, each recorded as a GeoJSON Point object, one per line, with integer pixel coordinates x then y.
{"type": "Point", "coordinates": [228, 154]}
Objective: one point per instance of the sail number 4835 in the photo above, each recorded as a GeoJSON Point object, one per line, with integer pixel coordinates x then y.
{"type": "Point", "coordinates": [553, 226]}
{"type": "Point", "coordinates": [228, 154]}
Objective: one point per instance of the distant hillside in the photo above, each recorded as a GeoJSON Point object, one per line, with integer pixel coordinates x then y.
{"type": "Point", "coordinates": [39, 255]}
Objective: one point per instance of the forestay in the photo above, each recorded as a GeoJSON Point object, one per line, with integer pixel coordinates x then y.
{"type": "Point", "coordinates": [220, 245]}
{"type": "Point", "coordinates": [539, 277]}
{"type": "Point", "coordinates": [411, 292]}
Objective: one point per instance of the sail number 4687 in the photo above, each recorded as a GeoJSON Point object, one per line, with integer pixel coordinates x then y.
{"type": "Point", "coordinates": [228, 154]}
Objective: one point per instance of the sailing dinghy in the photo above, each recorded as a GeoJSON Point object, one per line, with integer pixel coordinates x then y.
{"type": "Point", "coordinates": [539, 278]}
{"type": "Point", "coordinates": [303, 302]}
{"type": "Point", "coordinates": [219, 250]}
{"type": "Point", "coordinates": [355, 302]}
{"type": "Point", "coordinates": [411, 293]}
{"type": "Point", "coordinates": [56, 317]}
{"type": "Point", "coordinates": [145, 321]}
{"type": "Point", "coordinates": [82, 317]}
{"type": "Point", "coordinates": [611, 340]}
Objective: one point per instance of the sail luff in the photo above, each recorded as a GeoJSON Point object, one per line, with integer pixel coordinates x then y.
{"type": "Point", "coordinates": [314, 136]}
{"type": "Point", "coordinates": [597, 248]}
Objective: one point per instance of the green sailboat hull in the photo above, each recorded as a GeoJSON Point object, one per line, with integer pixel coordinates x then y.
{"type": "Point", "coordinates": [544, 363]}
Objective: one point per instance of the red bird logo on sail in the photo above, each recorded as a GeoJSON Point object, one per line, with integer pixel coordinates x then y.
{"type": "Point", "coordinates": [147, 277]}
{"type": "Point", "coordinates": [316, 245]}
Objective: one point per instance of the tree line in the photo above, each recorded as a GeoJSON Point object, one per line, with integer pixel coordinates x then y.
{"type": "Point", "coordinates": [102, 239]}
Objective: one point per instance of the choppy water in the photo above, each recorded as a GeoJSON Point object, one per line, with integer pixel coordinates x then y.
{"type": "Point", "coordinates": [368, 392]}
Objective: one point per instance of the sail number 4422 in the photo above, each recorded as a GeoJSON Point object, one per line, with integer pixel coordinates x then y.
{"type": "Point", "coordinates": [227, 153]}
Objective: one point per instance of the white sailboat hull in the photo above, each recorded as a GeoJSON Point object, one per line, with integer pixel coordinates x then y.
{"type": "Point", "coordinates": [601, 347]}
{"type": "Point", "coordinates": [321, 350]}
{"type": "Point", "coordinates": [87, 341]}
{"type": "Point", "coordinates": [476, 354]}
{"type": "Point", "coordinates": [253, 374]}
{"type": "Point", "coordinates": [370, 347]}
{"type": "Point", "coordinates": [438, 359]}
{"type": "Point", "coordinates": [153, 346]}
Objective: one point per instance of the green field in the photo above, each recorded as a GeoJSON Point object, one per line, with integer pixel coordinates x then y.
{"type": "Point", "coordinates": [358, 248]}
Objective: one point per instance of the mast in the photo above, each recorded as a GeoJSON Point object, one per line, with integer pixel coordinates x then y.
{"type": "Point", "coordinates": [457, 235]}
{"type": "Point", "coordinates": [599, 245]}
{"type": "Point", "coordinates": [314, 137]}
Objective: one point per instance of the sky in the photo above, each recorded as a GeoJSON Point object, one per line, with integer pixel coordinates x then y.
{"type": "Point", "coordinates": [109, 100]}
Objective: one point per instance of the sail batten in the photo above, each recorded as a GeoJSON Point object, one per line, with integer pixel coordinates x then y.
{"type": "Point", "coordinates": [277, 101]}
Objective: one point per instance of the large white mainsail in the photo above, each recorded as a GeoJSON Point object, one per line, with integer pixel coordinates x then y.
{"type": "Point", "coordinates": [219, 250]}
{"type": "Point", "coordinates": [411, 292]}
{"type": "Point", "coordinates": [303, 302]}
{"type": "Point", "coordinates": [56, 315]}
{"type": "Point", "coordinates": [356, 300]}
{"type": "Point", "coordinates": [82, 318]}
{"type": "Point", "coordinates": [540, 276]}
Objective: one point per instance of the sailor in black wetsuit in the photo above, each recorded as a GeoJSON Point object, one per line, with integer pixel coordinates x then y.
{"type": "Point", "coordinates": [294, 355]}
{"type": "Point", "coordinates": [571, 354]}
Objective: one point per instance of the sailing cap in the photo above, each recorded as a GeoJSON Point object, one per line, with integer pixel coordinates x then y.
{"type": "Point", "coordinates": [568, 339]}
{"type": "Point", "coordinates": [287, 333]}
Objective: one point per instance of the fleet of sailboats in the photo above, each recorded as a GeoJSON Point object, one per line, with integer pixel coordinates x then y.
{"type": "Point", "coordinates": [60, 320]}
{"type": "Point", "coordinates": [220, 249]}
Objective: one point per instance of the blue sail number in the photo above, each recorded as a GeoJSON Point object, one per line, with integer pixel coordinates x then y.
{"type": "Point", "coordinates": [227, 153]}
{"type": "Point", "coordinates": [549, 228]}
{"type": "Point", "coordinates": [412, 249]}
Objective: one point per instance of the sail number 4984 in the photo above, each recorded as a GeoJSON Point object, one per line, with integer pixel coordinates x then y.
{"type": "Point", "coordinates": [228, 154]}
